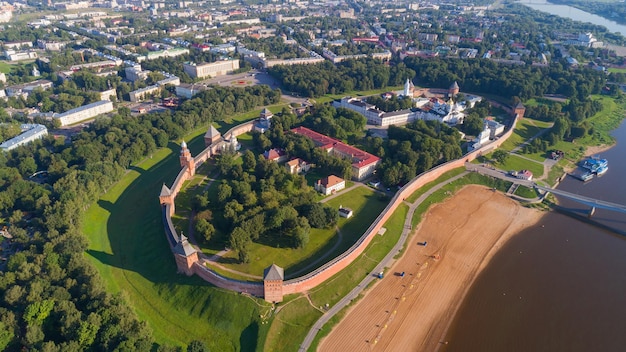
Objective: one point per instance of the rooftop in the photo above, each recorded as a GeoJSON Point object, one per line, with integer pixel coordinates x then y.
{"type": "Point", "coordinates": [359, 158]}
{"type": "Point", "coordinates": [274, 272]}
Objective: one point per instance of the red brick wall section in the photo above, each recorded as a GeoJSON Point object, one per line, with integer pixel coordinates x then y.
{"type": "Point", "coordinates": [315, 278]}
{"type": "Point", "coordinates": [255, 289]}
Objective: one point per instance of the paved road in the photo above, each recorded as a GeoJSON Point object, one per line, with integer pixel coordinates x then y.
{"type": "Point", "coordinates": [497, 173]}
{"type": "Point", "coordinates": [386, 262]}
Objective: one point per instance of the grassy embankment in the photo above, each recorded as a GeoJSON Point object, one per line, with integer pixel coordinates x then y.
{"type": "Point", "coordinates": [128, 247]}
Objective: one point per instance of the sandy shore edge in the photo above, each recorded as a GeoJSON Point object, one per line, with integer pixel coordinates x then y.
{"type": "Point", "coordinates": [441, 289]}
{"type": "Point", "coordinates": [529, 218]}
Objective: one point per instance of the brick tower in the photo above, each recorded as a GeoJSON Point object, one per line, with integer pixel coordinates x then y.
{"type": "Point", "coordinates": [273, 277]}
{"type": "Point", "coordinates": [211, 136]}
{"type": "Point", "coordinates": [454, 89]}
{"type": "Point", "coordinates": [186, 159]}
{"type": "Point", "coordinates": [519, 110]}
{"type": "Point", "coordinates": [185, 255]}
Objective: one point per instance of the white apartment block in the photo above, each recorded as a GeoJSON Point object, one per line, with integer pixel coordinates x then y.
{"type": "Point", "coordinates": [142, 93]}
{"type": "Point", "coordinates": [212, 69]}
{"type": "Point", "coordinates": [30, 132]}
{"type": "Point", "coordinates": [189, 90]}
{"type": "Point", "coordinates": [84, 112]}
{"type": "Point", "coordinates": [12, 55]}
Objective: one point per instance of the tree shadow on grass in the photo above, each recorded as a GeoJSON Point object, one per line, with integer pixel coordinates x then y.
{"type": "Point", "coordinates": [249, 337]}
{"type": "Point", "coordinates": [275, 240]}
{"type": "Point", "coordinates": [228, 260]}
{"type": "Point", "coordinates": [135, 227]}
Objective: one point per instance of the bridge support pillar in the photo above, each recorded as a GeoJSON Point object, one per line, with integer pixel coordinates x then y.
{"type": "Point", "coordinates": [591, 212]}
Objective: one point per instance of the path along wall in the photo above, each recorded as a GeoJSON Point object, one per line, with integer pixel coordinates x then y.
{"type": "Point", "coordinates": [316, 277]}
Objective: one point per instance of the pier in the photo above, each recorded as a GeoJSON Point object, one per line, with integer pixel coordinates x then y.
{"type": "Point", "coordinates": [591, 202]}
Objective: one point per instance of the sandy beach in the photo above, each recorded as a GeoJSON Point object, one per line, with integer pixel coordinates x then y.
{"type": "Point", "coordinates": [412, 312]}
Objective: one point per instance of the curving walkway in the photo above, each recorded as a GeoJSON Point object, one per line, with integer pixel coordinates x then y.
{"type": "Point", "coordinates": [386, 262]}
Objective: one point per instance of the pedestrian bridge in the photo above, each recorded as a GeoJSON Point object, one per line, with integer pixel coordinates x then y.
{"type": "Point", "coordinates": [592, 202]}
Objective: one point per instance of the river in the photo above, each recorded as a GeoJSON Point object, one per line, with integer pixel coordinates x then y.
{"type": "Point", "coordinates": [574, 14]}
{"type": "Point", "coordinates": [558, 286]}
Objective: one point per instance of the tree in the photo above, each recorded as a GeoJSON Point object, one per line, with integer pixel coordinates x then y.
{"type": "Point", "coordinates": [300, 232]}
{"type": "Point", "coordinates": [500, 156]}
{"type": "Point", "coordinates": [240, 241]}
{"type": "Point", "coordinates": [6, 335]}
{"type": "Point", "coordinates": [316, 215]}
{"type": "Point", "coordinates": [204, 228]}
{"type": "Point", "coordinates": [197, 346]}
{"type": "Point", "coordinates": [224, 192]}
{"type": "Point", "coordinates": [249, 160]}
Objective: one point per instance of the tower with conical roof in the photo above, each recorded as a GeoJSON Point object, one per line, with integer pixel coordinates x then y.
{"type": "Point", "coordinates": [273, 277]}
{"type": "Point", "coordinates": [165, 197]}
{"type": "Point", "coordinates": [266, 114]}
{"type": "Point", "coordinates": [185, 256]}
{"type": "Point", "coordinates": [454, 89]}
{"type": "Point", "coordinates": [211, 136]}
{"type": "Point", "coordinates": [519, 110]}
{"type": "Point", "coordinates": [186, 159]}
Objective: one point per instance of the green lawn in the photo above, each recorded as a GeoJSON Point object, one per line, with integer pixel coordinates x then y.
{"type": "Point", "coordinates": [517, 163]}
{"type": "Point", "coordinates": [323, 243]}
{"type": "Point", "coordinates": [446, 176]}
{"type": "Point", "coordinates": [524, 130]}
{"type": "Point", "coordinates": [540, 101]}
{"type": "Point", "coordinates": [617, 70]}
{"type": "Point", "coordinates": [5, 67]}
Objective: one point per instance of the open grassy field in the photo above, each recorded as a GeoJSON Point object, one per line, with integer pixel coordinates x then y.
{"type": "Point", "coordinates": [517, 163]}
{"type": "Point", "coordinates": [605, 121]}
{"type": "Point", "coordinates": [5, 67]}
{"type": "Point", "coordinates": [540, 101]}
{"type": "Point", "coordinates": [617, 70]}
{"type": "Point", "coordinates": [525, 129]}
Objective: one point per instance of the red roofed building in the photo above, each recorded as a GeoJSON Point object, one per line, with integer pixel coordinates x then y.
{"type": "Point", "coordinates": [277, 155]}
{"type": "Point", "coordinates": [363, 163]}
{"type": "Point", "coordinates": [330, 185]}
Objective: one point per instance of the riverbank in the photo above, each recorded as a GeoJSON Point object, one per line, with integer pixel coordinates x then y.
{"type": "Point", "coordinates": [412, 312]}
